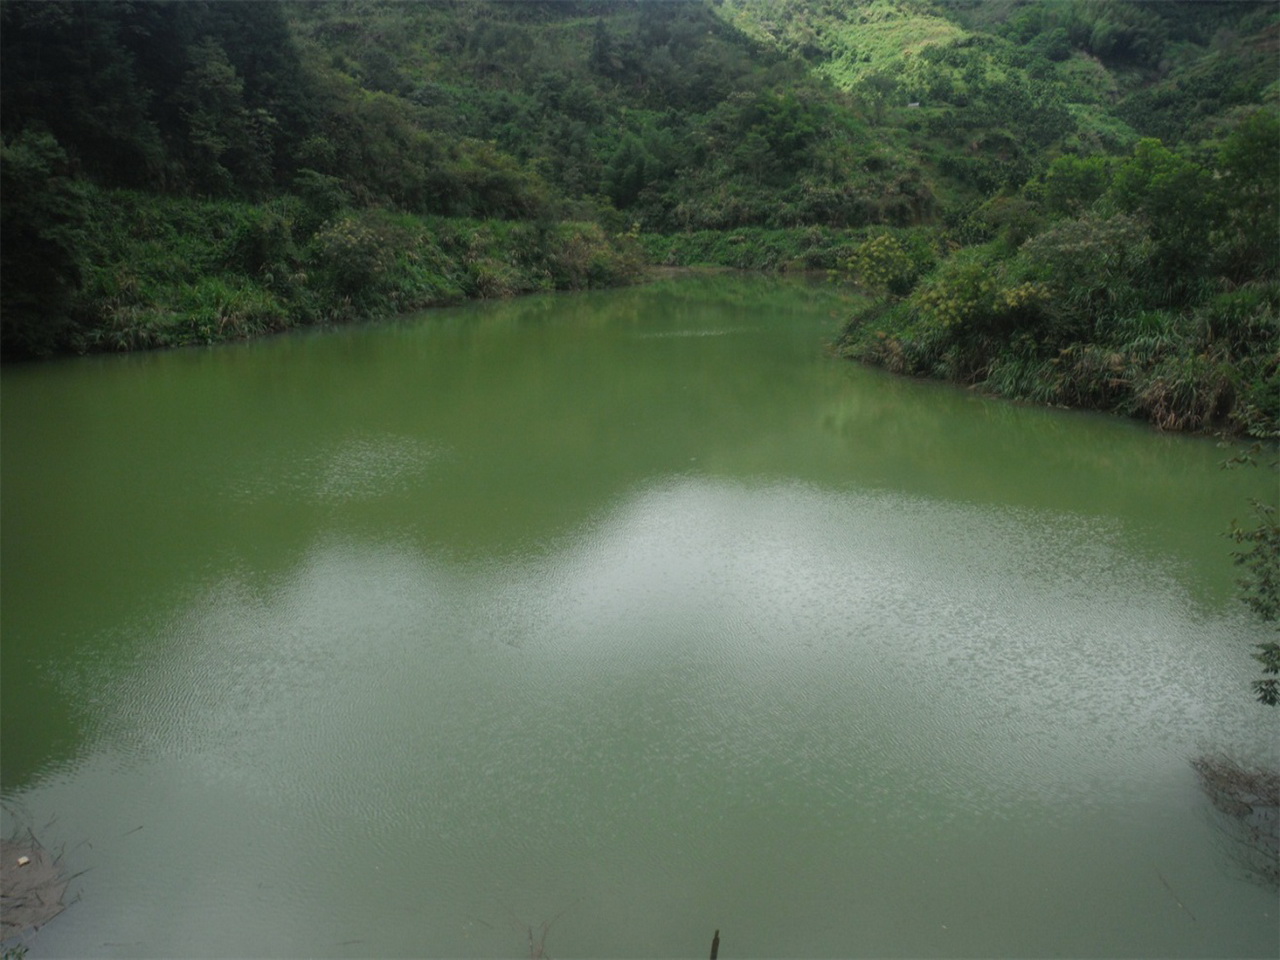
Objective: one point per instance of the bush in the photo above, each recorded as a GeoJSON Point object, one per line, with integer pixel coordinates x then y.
{"type": "Point", "coordinates": [1243, 321]}
{"type": "Point", "coordinates": [962, 293]}
{"type": "Point", "coordinates": [353, 253]}
{"type": "Point", "coordinates": [887, 264]}
{"type": "Point", "coordinates": [1073, 184]}
{"type": "Point", "coordinates": [262, 244]}
{"type": "Point", "coordinates": [1096, 269]}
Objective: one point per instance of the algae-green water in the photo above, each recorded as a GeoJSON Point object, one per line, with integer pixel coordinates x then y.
{"type": "Point", "coordinates": [593, 623]}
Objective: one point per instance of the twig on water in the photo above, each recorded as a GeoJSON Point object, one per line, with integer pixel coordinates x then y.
{"type": "Point", "coordinates": [538, 947]}
{"type": "Point", "coordinates": [1174, 895]}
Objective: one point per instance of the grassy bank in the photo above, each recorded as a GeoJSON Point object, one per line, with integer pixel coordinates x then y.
{"type": "Point", "coordinates": [160, 272]}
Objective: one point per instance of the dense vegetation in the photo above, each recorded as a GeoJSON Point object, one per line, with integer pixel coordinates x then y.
{"type": "Point", "coordinates": [1123, 252]}
{"type": "Point", "coordinates": [1070, 202]}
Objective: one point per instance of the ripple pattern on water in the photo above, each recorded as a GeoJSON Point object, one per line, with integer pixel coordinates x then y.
{"type": "Point", "coordinates": [837, 648]}
{"type": "Point", "coordinates": [704, 666]}
{"type": "Point", "coordinates": [361, 467]}
{"type": "Point", "coordinates": [437, 631]}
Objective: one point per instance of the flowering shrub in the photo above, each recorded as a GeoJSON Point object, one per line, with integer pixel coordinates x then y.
{"type": "Point", "coordinates": [961, 294]}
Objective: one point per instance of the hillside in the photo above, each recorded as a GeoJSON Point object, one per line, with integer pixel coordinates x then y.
{"type": "Point", "coordinates": [188, 172]}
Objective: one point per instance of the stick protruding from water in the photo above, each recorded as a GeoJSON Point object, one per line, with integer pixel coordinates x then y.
{"type": "Point", "coordinates": [715, 945]}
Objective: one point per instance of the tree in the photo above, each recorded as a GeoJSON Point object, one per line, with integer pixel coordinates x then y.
{"type": "Point", "coordinates": [42, 216]}
{"type": "Point", "coordinates": [605, 59]}
{"type": "Point", "coordinates": [227, 144]}
{"type": "Point", "coordinates": [625, 175]}
{"type": "Point", "coordinates": [876, 90]}
{"type": "Point", "coordinates": [1072, 184]}
{"type": "Point", "coordinates": [1177, 198]}
{"type": "Point", "coordinates": [67, 69]}
{"type": "Point", "coordinates": [1249, 167]}
{"type": "Point", "coordinates": [882, 263]}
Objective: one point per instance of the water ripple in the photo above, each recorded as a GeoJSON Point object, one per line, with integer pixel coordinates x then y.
{"type": "Point", "coordinates": [361, 467]}
{"type": "Point", "coordinates": [702, 667]}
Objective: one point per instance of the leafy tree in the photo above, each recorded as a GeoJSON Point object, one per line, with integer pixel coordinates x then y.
{"type": "Point", "coordinates": [605, 59]}
{"type": "Point", "coordinates": [66, 68]}
{"type": "Point", "coordinates": [877, 90]}
{"type": "Point", "coordinates": [1097, 268]}
{"type": "Point", "coordinates": [42, 216]}
{"type": "Point", "coordinates": [1073, 184]}
{"type": "Point", "coordinates": [227, 144]}
{"type": "Point", "coordinates": [625, 175]}
{"type": "Point", "coordinates": [884, 263]}
{"type": "Point", "coordinates": [1176, 196]}
{"type": "Point", "coordinates": [1249, 167]}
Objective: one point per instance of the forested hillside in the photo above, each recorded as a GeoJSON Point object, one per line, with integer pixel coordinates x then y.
{"type": "Point", "coordinates": [1124, 253]}
{"type": "Point", "coordinates": [1073, 202]}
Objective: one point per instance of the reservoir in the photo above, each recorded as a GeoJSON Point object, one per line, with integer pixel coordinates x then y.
{"type": "Point", "coordinates": [590, 624]}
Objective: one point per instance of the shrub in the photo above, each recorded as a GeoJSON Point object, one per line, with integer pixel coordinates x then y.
{"type": "Point", "coordinates": [962, 293]}
{"type": "Point", "coordinates": [1022, 374]}
{"type": "Point", "coordinates": [884, 263]}
{"type": "Point", "coordinates": [1073, 184]}
{"type": "Point", "coordinates": [1095, 269]}
{"type": "Point", "coordinates": [262, 243]}
{"type": "Point", "coordinates": [1245, 320]}
{"type": "Point", "coordinates": [354, 253]}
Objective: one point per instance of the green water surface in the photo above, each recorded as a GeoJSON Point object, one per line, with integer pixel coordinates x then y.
{"type": "Point", "coordinates": [597, 622]}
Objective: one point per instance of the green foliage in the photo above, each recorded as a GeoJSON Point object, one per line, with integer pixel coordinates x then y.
{"type": "Point", "coordinates": [1232, 68]}
{"type": "Point", "coordinates": [1095, 267]}
{"type": "Point", "coordinates": [165, 272]}
{"type": "Point", "coordinates": [191, 97]}
{"type": "Point", "coordinates": [1259, 556]}
{"type": "Point", "coordinates": [1185, 392]}
{"type": "Point", "coordinates": [226, 144]}
{"type": "Point", "coordinates": [355, 252]}
{"type": "Point", "coordinates": [1174, 194]}
{"type": "Point", "coordinates": [962, 292]}
{"type": "Point", "coordinates": [1011, 218]}
{"type": "Point", "coordinates": [1072, 184]}
{"type": "Point", "coordinates": [1146, 291]}
{"type": "Point", "coordinates": [262, 244]}
{"type": "Point", "coordinates": [754, 248]}
{"type": "Point", "coordinates": [1267, 690]}
{"type": "Point", "coordinates": [42, 257]}
{"type": "Point", "coordinates": [806, 134]}
{"type": "Point", "coordinates": [1249, 184]}
{"type": "Point", "coordinates": [69, 69]}
{"type": "Point", "coordinates": [885, 263]}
